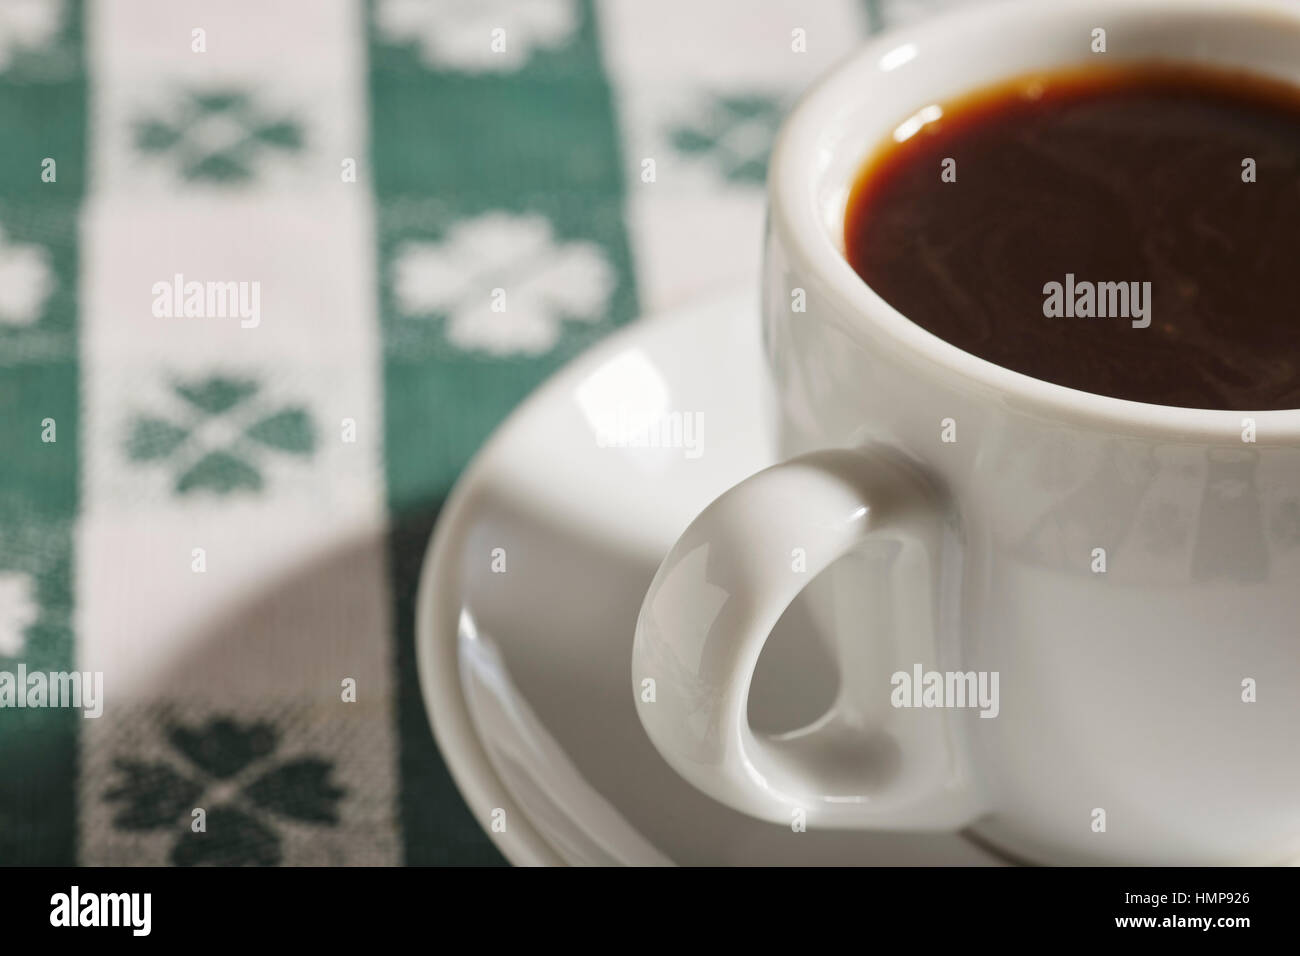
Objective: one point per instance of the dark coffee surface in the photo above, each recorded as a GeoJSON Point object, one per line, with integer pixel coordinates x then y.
{"type": "Point", "coordinates": [1109, 175]}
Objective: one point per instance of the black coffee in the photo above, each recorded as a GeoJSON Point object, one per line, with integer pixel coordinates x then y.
{"type": "Point", "coordinates": [1133, 232]}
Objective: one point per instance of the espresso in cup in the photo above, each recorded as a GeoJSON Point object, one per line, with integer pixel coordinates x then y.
{"type": "Point", "coordinates": [1127, 231]}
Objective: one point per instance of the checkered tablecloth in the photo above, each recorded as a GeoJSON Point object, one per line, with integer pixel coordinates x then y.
{"type": "Point", "coordinates": [270, 272]}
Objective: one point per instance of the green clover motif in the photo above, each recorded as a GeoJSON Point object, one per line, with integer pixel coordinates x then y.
{"type": "Point", "coordinates": [225, 757]}
{"type": "Point", "coordinates": [225, 464]}
{"type": "Point", "coordinates": [218, 137]}
{"type": "Point", "coordinates": [735, 134]}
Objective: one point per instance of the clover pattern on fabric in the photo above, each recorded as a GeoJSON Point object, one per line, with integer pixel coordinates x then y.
{"type": "Point", "coordinates": [26, 281]}
{"type": "Point", "coordinates": [733, 134]}
{"type": "Point", "coordinates": [221, 443]}
{"type": "Point", "coordinates": [545, 281]}
{"type": "Point", "coordinates": [230, 770]}
{"type": "Point", "coordinates": [457, 35]}
{"type": "Point", "coordinates": [28, 25]}
{"type": "Point", "coordinates": [219, 136]}
{"type": "Point", "coordinates": [18, 611]}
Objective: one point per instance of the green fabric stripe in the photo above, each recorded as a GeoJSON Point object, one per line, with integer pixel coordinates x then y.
{"type": "Point", "coordinates": [43, 105]}
{"type": "Point", "coordinates": [875, 19]}
{"type": "Point", "coordinates": [450, 146]}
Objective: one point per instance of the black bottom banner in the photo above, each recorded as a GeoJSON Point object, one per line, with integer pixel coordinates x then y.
{"type": "Point", "coordinates": [305, 905]}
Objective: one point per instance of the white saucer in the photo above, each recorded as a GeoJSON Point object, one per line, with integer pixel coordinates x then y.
{"type": "Point", "coordinates": [526, 673]}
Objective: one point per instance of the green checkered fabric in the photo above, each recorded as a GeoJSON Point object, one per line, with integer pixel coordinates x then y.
{"type": "Point", "coordinates": [270, 273]}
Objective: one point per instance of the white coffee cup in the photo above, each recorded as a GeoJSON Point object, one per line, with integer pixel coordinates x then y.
{"type": "Point", "coordinates": [1144, 713]}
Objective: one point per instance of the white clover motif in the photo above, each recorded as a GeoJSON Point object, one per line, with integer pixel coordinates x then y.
{"type": "Point", "coordinates": [18, 611]}
{"type": "Point", "coordinates": [457, 34]}
{"type": "Point", "coordinates": [26, 281]}
{"type": "Point", "coordinates": [545, 283]}
{"type": "Point", "coordinates": [27, 24]}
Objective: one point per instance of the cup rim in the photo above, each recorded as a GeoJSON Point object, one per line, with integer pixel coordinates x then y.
{"type": "Point", "coordinates": [793, 213]}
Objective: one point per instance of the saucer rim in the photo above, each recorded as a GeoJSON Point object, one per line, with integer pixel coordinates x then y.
{"type": "Point", "coordinates": [438, 659]}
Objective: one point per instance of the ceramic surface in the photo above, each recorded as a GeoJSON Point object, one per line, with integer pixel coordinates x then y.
{"type": "Point", "coordinates": [1128, 571]}
{"type": "Point", "coordinates": [524, 672]}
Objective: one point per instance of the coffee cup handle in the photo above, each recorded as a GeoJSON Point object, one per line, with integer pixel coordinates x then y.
{"type": "Point", "coordinates": [723, 587]}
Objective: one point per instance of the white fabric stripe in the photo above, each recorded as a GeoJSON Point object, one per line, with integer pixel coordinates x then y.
{"type": "Point", "coordinates": [694, 228]}
{"type": "Point", "coordinates": [294, 596]}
